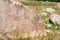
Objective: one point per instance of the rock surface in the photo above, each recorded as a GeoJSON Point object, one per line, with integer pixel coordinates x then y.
{"type": "Point", "coordinates": [55, 19]}
{"type": "Point", "coordinates": [17, 19]}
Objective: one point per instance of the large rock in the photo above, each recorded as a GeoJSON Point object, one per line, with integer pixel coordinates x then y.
{"type": "Point", "coordinates": [17, 19]}
{"type": "Point", "coordinates": [55, 19]}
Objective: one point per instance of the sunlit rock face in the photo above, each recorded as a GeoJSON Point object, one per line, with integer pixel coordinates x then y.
{"type": "Point", "coordinates": [55, 19]}
{"type": "Point", "coordinates": [17, 19]}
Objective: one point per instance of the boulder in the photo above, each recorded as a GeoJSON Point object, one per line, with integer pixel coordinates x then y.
{"type": "Point", "coordinates": [17, 20]}
{"type": "Point", "coordinates": [55, 19]}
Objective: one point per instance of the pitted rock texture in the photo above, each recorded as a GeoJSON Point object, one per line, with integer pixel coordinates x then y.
{"type": "Point", "coordinates": [16, 19]}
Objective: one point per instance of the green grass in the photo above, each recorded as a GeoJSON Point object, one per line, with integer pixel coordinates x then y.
{"type": "Point", "coordinates": [54, 35]}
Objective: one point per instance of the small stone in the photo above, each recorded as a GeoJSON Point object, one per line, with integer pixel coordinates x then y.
{"type": "Point", "coordinates": [49, 25]}
{"type": "Point", "coordinates": [50, 10]}
{"type": "Point", "coordinates": [43, 14]}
